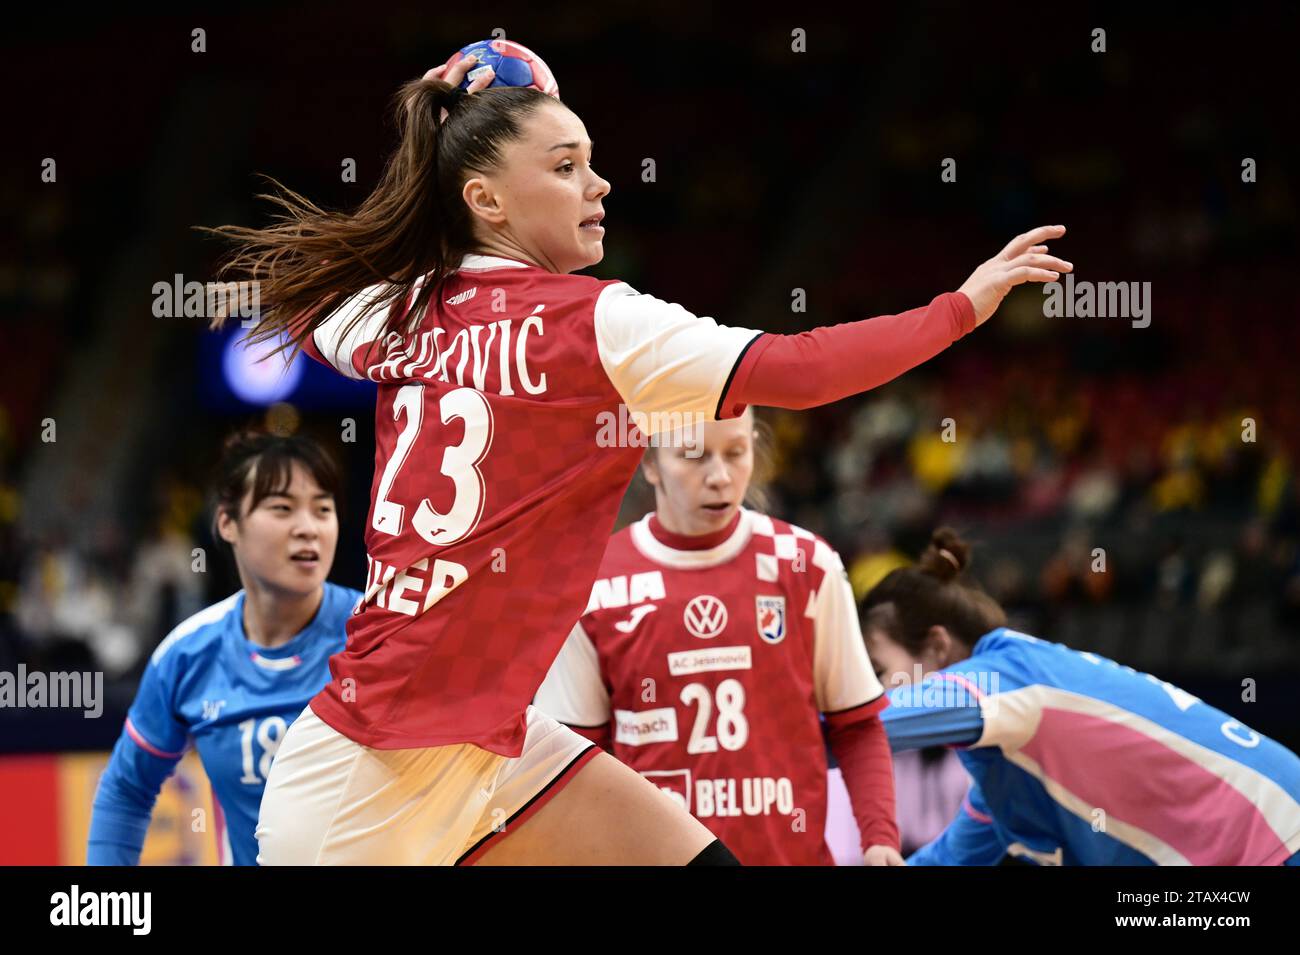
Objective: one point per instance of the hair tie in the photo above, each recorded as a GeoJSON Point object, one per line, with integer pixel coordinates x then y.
{"type": "Point", "coordinates": [943, 551]}
{"type": "Point", "coordinates": [451, 99]}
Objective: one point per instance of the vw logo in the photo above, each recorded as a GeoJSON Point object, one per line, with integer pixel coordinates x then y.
{"type": "Point", "coordinates": [705, 616]}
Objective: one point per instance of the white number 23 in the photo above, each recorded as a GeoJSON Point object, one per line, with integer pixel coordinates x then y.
{"type": "Point", "coordinates": [459, 463]}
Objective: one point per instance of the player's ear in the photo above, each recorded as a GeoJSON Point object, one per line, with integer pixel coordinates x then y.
{"type": "Point", "coordinates": [226, 527]}
{"type": "Point", "coordinates": [483, 201]}
{"type": "Point", "coordinates": [650, 466]}
{"type": "Point", "coordinates": [939, 647]}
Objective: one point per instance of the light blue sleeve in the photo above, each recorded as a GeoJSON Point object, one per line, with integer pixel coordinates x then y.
{"type": "Point", "coordinates": [970, 839]}
{"type": "Point", "coordinates": [153, 712]}
{"type": "Point", "coordinates": [146, 753]}
{"type": "Point", "coordinates": [923, 714]}
{"type": "Point", "coordinates": [124, 803]}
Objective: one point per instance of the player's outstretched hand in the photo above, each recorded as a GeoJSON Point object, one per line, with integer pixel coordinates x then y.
{"type": "Point", "coordinates": [455, 73]}
{"type": "Point", "coordinates": [882, 855]}
{"type": "Point", "coordinates": [1025, 259]}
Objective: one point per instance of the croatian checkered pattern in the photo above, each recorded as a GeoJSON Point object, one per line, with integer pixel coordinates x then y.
{"type": "Point", "coordinates": [817, 663]}
{"type": "Point", "coordinates": [453, 647]}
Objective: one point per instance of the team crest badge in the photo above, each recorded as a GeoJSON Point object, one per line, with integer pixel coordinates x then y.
{"type": "Point", "coordinates": [769, 612]}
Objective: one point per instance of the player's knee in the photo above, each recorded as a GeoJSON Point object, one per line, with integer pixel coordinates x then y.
{"type": "Point", "coordinates": [715, 853]}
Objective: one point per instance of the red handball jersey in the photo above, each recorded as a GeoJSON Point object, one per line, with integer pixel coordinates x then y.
{"type": "Point", "coordinates": [502, 450]}
{"type": "Point", "coordinates": [712, 666]}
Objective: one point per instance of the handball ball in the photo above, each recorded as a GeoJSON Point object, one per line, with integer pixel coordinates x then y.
{"type": "Point", "coordinates": [515, 65]}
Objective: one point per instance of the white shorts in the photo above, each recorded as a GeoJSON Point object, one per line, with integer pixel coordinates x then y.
{"type": "Point", "coordinates": [332, 801]}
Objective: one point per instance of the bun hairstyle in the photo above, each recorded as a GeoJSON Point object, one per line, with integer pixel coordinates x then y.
{"type": "Point", "coordinates": [911, 600]}
{"type": "Point", "coordinates": [946, 556]}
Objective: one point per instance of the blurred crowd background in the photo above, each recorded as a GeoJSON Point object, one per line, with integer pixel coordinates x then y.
{"type": "Point", "coordinates": [1170, 451]}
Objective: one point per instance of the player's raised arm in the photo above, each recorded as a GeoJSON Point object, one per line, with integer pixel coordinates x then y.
{"type": "Point", "coordinates": [1024, 259]}
{"type": "Point", "coordinates": [826, 364]}
{"type": "Point", "coordinates": [664, 359]}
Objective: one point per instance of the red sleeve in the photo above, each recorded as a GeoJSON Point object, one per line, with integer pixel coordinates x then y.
{"type": "Point", "coordinates": [309, 346]}
{"type": "Point", "coordinates": [827, 364]}
{"type": "Point", "coordinates": [597, 734]}
{"type": "Point", "coordinates": [862, 750]}
{"type": "Point", "coordinates": [312, 351]}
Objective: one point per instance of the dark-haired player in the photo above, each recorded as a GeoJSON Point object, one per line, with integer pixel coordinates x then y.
{"type": "Point", "coordinates": [1075, 759]}
{"type": "Point", "coordinates": [232, 678]}
{"type": "Point", "coordinates": [454, 287]}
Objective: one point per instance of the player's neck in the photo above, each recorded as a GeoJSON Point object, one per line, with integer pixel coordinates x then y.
{"type": "Point", "coordinates": [679, 541]}
{"type": "Point", "coordinates": [272, 618]}
{"type": "Point", "coordinates": [508, 250]}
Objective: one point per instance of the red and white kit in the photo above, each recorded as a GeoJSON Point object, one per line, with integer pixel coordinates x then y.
{"type": "Point", "coordinates": [704, 663]}
{"type": "Point", "coordinates": [493, 495]}
{"type": "Point", "coordinates": [499, 469]}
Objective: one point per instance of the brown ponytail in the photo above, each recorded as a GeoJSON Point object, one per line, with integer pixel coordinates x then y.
{"type": "Point", "coordinates": [414, 223]}
{"type": "Point", "coordinates": [911, 600]}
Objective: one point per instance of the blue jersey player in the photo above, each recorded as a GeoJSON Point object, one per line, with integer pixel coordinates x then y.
{"type": "Point", "coordinates": [1074, 759]}
{"type": "Point", "coordinates": [233, 677]}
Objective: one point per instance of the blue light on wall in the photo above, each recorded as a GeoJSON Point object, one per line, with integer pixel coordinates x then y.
{"type": "Point", "coordinates": [256, 376]}
{"type": "Point", "coordinates": [231, 379]}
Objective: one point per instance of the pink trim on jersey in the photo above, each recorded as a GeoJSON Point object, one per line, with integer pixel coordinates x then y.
{"type": "Point", "coordinates": [1192, 824]}
{"type": "Point", "coordinates": [962, 681]}
{"type": "Point", "coordinates": [275, 663]}
{"type": "Point", "coordinates": [145, 745]}
{"type": "Point", "coordinates": [973, 812]}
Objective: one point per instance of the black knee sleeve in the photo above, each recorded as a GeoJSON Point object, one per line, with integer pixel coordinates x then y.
{"type": "Point", "coordinates": [715, 853]}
